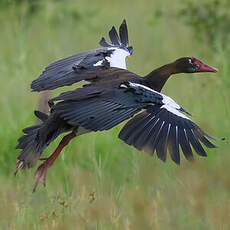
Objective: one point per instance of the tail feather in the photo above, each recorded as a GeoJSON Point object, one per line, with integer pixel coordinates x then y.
{"type": "Point", "coordinates": [37, 137]}
{"type": "Point", "coordinates": [31, 129]}
{"type": "Point", "coordinates": [26, 139]}
{"type": "Point", "coordinates": [31, 148]}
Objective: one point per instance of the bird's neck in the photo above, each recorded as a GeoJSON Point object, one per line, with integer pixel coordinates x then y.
{"type": "Point", "coordinates": [158, 77]}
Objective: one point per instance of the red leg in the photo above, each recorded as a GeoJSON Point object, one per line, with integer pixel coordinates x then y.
{"type": "Point", "coordinates": [40, 175]}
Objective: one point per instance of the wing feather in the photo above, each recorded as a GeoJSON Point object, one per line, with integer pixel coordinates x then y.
{"type": "Point", "coordinates": [69, 70]}
{"type": "Point", "coordinates": [114, 37]}
{"type": "Point", "coordinates": [163, 130]}
{"type": "Point", "coordinates": [123, 32]}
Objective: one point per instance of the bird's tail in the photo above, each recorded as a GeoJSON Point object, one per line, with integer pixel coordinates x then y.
{"type": "Point", "coordinates": [36, 138]}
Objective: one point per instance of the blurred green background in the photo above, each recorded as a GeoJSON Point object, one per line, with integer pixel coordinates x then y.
{"type": "Point", "coordinates": [99, 182]}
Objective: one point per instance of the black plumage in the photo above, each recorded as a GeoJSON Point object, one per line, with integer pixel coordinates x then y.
{"type": "Point", "coordinates": [160, 130]}
{"type": "Point", "coordinates": [114, 37]}
{"type": "Point", "coordinates": [70, 70]}
{"type": "Point", "coordinates": [106, 108]}
{"type": "Point", "coordinates": [123, 32]}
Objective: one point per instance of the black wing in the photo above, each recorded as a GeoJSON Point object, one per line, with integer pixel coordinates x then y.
{"type": "Point", "coordinates": [123, 32]}
{"type": "Point", "coordinates": [99, 111]}
{"type": "Point", "coordinates": [101, 108]}
{"type": "Point", "coordinates": [160, 129]}
{"type": "Point", "coordinates": [70, 70]}
{"type": "Point", "coordinates": [76, 68]}
{"type": "Point", "coordinates": [114, 37]}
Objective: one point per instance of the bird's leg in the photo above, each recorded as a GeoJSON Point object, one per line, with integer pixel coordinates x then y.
{"type": "Point", "coordinates": [40, 175]}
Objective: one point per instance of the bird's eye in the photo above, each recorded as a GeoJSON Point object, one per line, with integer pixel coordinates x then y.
{"type": "Point", "coordinates": [197, 67]}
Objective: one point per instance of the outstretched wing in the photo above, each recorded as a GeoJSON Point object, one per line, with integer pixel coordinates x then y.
{"type": "Point", "coordinates": [100, 108]}
{"type": "Point", "coordinates": [70, 70]}
{"type": "Point", "coordinates": [77, 67]}
{"type": "Point", "coordinates": [162, 129]}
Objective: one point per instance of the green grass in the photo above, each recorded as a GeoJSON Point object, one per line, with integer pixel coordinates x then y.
{"type": "Point", "coordinates": [99, 182]}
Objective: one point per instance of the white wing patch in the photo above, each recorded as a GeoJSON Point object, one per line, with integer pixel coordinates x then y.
{"type": "Point", "coordinates": [99, 63]}
{"type": "Point", "coordinates": [168, 103]}
{"type": "Point", "coordinates": [143, 86]}
{"type": "Point", "coordinates": [117, 58]}
{"type": "Point", "coordinates": [174, 111]}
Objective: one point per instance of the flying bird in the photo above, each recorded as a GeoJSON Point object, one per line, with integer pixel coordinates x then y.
{"type": "Point", "coordinates": [110, 96]}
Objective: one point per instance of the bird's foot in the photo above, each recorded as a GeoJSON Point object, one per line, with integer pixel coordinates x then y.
{"type": "Point", "coordinates": [40, 174]}
{"type": "Point", "coordinates": [20, 164]}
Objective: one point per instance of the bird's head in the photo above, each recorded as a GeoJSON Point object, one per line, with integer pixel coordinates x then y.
{"type": "Point", "coordinates": [192, 65]}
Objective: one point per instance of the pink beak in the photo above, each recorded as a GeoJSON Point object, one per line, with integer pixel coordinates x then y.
{"type": "Point", "coordinates": [203, 67]}
{"type": "Point", "coordinates": [206, 68]}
